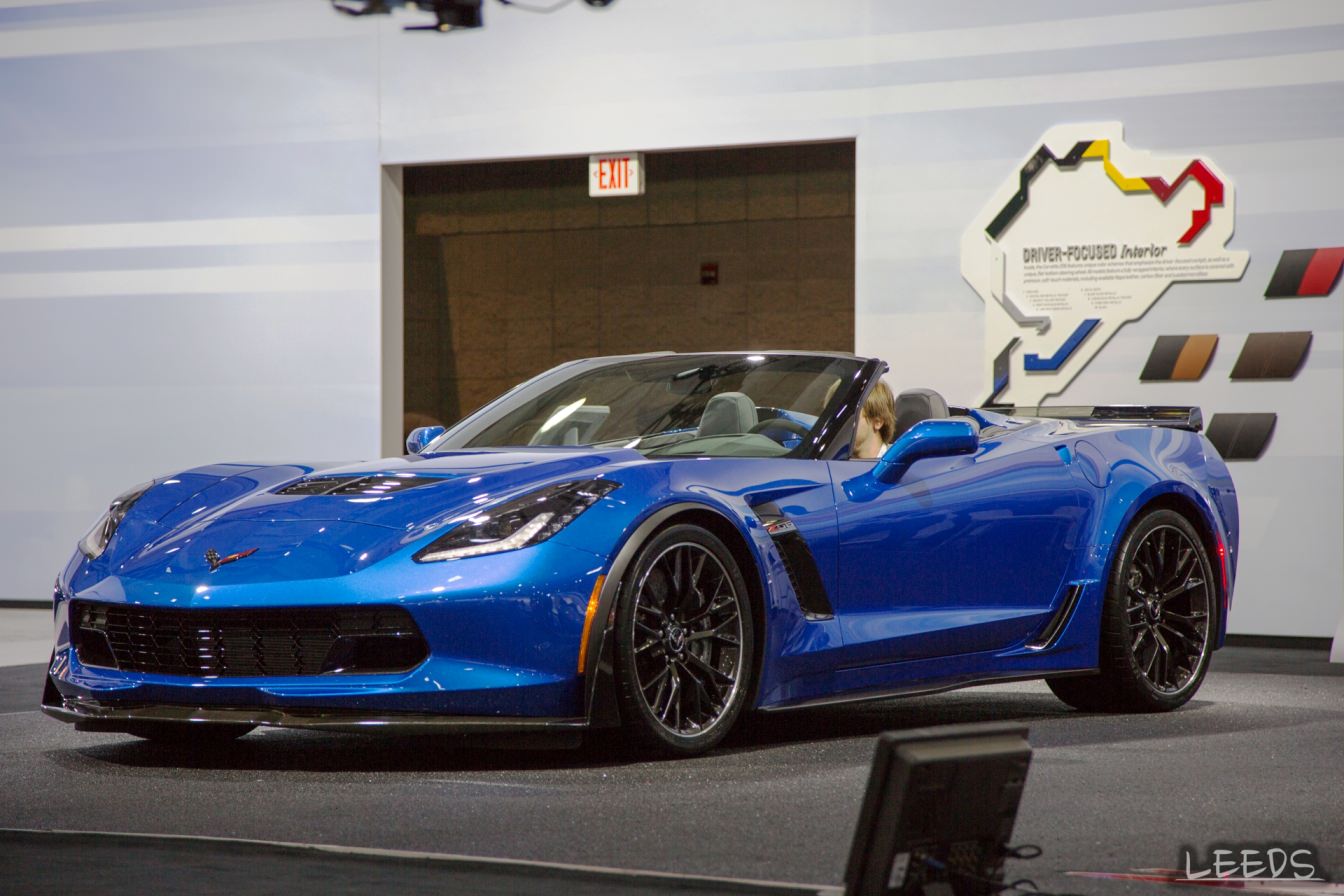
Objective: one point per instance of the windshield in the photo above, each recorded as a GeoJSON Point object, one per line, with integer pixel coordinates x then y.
{"type": "Point", "coordinates": [720, 405]}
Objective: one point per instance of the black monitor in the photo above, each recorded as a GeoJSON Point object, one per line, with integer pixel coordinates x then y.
{"type": "Point", "coordinates": [939, 811]}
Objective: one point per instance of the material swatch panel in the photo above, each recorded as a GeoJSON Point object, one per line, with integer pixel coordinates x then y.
{"type": "Point", "coordinates": [1179, 357]}
{"type": "Point", "coordinates": [1272, 356]}
{"type": "Point", "coordinates": [1306, 272]}
{"type": "Point", "coordinates": [1241, 436]}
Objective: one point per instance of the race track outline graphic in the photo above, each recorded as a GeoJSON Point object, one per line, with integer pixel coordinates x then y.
{"type": "Point", "coordinates": [1078, 243]}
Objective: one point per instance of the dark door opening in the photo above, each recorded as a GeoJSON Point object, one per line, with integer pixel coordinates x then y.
{"type": "Point", "coordinates": [511, 268]}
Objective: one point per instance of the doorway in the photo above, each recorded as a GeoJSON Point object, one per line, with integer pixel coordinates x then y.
{"type": "Point", "coordinates": [511, 268]}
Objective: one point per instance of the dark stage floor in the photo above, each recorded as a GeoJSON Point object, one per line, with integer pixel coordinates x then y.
{"type": "Point", "coordinates": [1258, 756]}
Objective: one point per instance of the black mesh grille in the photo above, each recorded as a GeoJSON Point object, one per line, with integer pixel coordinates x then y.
{"type": "Point", "coordinates": [801, 568]}
{"type": "Point", "coordinates": [237, 643]}
{"type": "Point", "coordinates": [355, 485]}
{"type": "Point", "coordinates": [789, 571]}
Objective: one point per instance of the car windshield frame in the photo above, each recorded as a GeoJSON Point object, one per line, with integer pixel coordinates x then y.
{"type": "Point", "coordinates": [823, 439]}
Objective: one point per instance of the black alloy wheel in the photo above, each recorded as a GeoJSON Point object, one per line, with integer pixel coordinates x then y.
{"type": "Point", "coordinates": [1167, 609]}
{"type": "Point", "coordinates": [1157, 623]}
{"type": "Point", "coordinates": [685, 643]}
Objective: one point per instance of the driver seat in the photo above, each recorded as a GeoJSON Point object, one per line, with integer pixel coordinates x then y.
{"type": "Point", "coordinates": [727, 413]}
{"type": "Point", "coordinates": [914, 405]}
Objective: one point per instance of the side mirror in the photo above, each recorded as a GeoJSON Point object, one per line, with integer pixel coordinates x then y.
{"type": "Point", "coordinates": [422, 436]}
{"type": "Point", "coordinates": [928, 438]}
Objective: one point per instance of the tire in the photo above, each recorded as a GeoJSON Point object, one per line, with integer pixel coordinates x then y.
{"type": "Point", "coordinates": [685, 643]}
{"type": "Point", "coordinates": [189, 734]}
{"type": "Point", "coordinates": [1157, 622]}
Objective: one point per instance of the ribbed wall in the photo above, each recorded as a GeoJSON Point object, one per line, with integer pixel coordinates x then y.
{"type": "Point", "coordinates": [190, 232]}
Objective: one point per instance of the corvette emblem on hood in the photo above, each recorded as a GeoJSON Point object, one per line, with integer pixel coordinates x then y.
{"type": "Point", "coordinates": [212, 557]}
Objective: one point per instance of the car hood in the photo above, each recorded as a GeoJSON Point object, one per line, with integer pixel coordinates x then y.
{"type": "Point", "coordinates": [341, 519]}
{"type": "Point", "coordinates": [420, 493]}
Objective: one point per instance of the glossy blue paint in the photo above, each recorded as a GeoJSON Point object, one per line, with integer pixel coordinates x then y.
{"type": "Point", "coordinates": [928, 438]}
{"type": "Point", "coordinates": [422, 436]}
{"type": "Point", "coordinates": [964, 554]}
{"type": "Point", "coordinates": [470, 611]}
{"type": "Point", "coordinates": [938, 577]}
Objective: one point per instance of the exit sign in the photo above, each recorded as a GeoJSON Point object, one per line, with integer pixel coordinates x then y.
{"type": "Point", "coordinates": [618, 175]}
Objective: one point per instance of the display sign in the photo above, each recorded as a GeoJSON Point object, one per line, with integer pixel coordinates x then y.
{"type": "Point", "coordinates": [1086, 235]}
{"type": "Point", "coordinates": [616, 175]}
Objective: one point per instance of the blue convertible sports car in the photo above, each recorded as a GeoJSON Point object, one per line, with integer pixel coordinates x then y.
{"type": "Point", "coordinates": [657, 542]}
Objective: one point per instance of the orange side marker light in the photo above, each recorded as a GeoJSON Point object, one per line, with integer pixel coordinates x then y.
{"type": "Point", "coordinates": [588, 621]}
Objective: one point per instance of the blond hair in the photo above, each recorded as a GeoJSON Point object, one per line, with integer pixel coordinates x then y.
{"type": "Point", "coordinates": [880, 408]}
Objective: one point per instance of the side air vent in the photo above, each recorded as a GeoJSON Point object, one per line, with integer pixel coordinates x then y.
{"type": "Point", "coordinates": [799, 564]}
{"type": "Point", "coordinates": [338, 486]}
{"type": "Point", "coordinates": [1050, 633]}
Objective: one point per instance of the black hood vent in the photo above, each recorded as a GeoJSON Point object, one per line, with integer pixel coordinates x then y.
{"type": "Point", "coordinates": [345, 486]}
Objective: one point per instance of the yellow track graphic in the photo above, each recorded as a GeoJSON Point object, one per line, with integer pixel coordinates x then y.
{"type": "Point", "coordinates": [1101, 149]}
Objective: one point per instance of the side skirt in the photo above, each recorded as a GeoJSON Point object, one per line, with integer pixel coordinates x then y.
{"type": "Point", "coordinates": [922, 689]}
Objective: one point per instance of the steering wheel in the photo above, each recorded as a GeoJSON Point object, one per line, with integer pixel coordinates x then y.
{"type": "Point", "coordinates": [792, 426]}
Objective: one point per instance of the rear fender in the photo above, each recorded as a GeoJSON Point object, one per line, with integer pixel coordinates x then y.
{"type": "Point", "coordinates": [1133, 491]}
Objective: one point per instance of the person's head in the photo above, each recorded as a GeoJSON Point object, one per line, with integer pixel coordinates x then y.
{"type": "Point", "coordinates": [877, 421]}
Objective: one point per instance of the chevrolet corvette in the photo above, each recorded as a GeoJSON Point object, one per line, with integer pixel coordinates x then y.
{"type": "Point", "coordinates": [657, 544]}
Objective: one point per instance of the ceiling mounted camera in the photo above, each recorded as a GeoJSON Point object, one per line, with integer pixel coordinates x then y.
{"type": "Point", "coordinates": [449, 15]}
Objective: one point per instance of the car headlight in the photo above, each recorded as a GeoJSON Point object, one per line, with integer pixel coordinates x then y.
{"type": "Point", "coordinates": [518, 523]}
{"type": "Point", "coordinates": [96, 541]}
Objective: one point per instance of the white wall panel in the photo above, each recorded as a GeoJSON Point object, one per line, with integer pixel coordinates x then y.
{"type": "Point", "coordinates": [190, 240]}
{"type": "Point", "coordinates": [189, 252]}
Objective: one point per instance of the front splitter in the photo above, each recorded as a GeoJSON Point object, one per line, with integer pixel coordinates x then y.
{"type": "Point", "coordinates": [91, 715]}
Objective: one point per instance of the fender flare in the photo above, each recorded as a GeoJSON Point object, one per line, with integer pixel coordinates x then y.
{"type": "Point", "coordinates": [1194, 498]}
{"type": "Point", "coordinates": [599, 675]}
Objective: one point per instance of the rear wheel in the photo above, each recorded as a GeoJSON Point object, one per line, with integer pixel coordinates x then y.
{"type": "Point", "coordinates": [1156, 625]}
{"type": "Point", "coordinates": [685, 643]}
{"type": "Point", "coordinates": [189, 734]}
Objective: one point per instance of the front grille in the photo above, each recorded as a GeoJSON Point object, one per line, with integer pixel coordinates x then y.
{"type": "Point", "coordinates": [355, 485]}
{"type": "Point", "coordinates": [241, 643]}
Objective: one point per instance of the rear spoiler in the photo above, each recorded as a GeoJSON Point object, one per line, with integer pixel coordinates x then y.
{"type": "Point", "coordinates": [1173, 416]}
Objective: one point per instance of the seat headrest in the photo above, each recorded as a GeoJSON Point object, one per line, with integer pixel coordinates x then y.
{"type": "Point", "coordinates": [727, 413]}
{"type": "Point", "coordinates": [914, 405]}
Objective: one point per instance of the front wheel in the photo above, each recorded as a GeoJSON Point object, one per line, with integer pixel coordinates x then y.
{"type": "Point", "coordinates": [685, 643]}
{"type": "Point", "coordinates": [1156, 625]}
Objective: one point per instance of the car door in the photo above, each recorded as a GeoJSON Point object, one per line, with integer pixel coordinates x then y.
{"type": "Point", "coordinates": [962, 554]}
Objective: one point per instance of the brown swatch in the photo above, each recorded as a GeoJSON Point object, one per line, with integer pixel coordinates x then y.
{"type": "Point", "coordinates": [1271, 356]}
{"type": "Point", "coordinates": [1179, 357]}
{"type": "Point", "coordinates": [1194, 357]}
